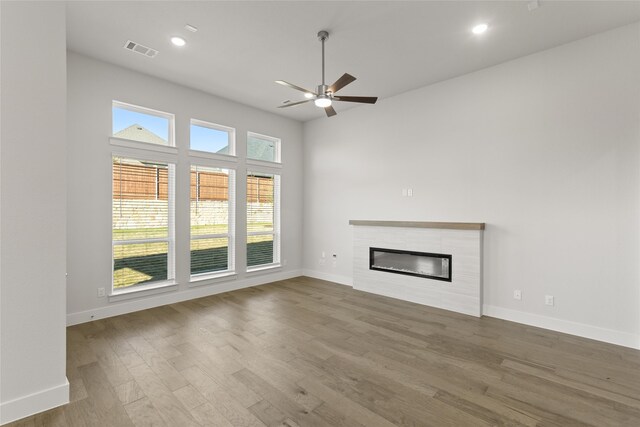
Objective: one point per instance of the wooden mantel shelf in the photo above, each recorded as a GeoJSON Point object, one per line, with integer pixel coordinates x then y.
{"type": "Point", "coordinates": [420, 224]}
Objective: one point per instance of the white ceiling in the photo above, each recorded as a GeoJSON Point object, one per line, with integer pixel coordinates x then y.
{"type": "Point", "coordinates": [391, 47]}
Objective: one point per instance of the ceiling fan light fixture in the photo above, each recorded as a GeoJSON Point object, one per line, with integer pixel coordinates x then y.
{"type": "Point", "coordinates": [480, 28]}
{"type": "Point", "coordinates": [178, 41]}
{"type": "Point", "coordinates": [323, 101]}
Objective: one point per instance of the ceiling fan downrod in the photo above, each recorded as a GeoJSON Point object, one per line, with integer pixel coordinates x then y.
{"type": "Point", "coordinates": [322, 36]}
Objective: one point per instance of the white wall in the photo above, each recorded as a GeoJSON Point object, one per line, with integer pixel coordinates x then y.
{"type": "Point", "coordinates": [545, 149]}
{"type": "Point", "coordinates": [32, 175]}
{"type": "Point", "coordinates": [92, 86]}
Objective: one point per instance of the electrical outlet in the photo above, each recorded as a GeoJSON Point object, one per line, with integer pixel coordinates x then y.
{"type": "Point", "coordinates": [101, 292]}
{"type": "Point", "coordinates": [548, 299]}
{"type": "Point", "coordinates": [517, 294]}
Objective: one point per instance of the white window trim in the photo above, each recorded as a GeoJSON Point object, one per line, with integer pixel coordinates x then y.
{"type": "Point", "coordinates": [263, 268]}
{"type": "Point", "coordinates": [277, 152]}
{"type": "Point", "coordinates": [263, 163]}
{"type": "Point", "coordinates": [141, 145]}
{"type": "Point", "coordinates": [145, 155]}
{"type": "Point", "coordinates": [144, 110]}
{"type": "Point", "coordinates": [230, 235]}
{"type": "Point", "coordinates": [204, 279]}
{"type": "Point", "coordinates": [213, 156]}
{"type": "Point", "coordinates": [143, 291]}
{"type": "Point", "coordinates": [232, 137]}
{"type": "Point", "coordinates": [116, 294]}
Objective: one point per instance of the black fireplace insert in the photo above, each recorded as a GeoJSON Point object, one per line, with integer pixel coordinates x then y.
{"type": "Point", "coordinates": [420, 264]}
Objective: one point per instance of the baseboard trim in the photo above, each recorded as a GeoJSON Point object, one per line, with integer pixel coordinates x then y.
{"type": "Point", "coordinates": [34, 403]}
{"type": "Point", "coordinates": [336, 278]}
{"type": "Point", "coordinates": [610, 336]}
{"type": "Point", "coordinates": [143, 303]}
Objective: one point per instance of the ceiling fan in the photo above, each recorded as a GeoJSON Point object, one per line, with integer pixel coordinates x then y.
{"type": "Point", "coordinates": [324, 95]}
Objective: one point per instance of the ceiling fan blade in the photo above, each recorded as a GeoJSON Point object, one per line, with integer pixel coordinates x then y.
{"type": "Point", "coordinates": [291, 104]}
{"type": "Point", "coordinates": [341, 82]}
{"type": "Point", "coordinates": [330, 111]}
{"type": "Point", "coordinates": [363, 99]}
{"type": "Point", "coordinates": [292, 86]}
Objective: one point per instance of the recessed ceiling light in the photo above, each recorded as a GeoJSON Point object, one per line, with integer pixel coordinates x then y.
{"type": "Point", "coordinates": [308, 95]}
{"type": "Point", "coordinates": [480, 28]}
{"type": "Point", "coordinates": [178, 41]}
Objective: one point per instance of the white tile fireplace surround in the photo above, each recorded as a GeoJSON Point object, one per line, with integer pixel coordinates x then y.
{"type": "Point", "coordinates": [434, 247]}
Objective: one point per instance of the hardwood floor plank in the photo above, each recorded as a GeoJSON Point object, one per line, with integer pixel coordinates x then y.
{"type": "Point", "coordinates": [269, 414]}
{"type": "Point", "coordinates": [574, 385]}
{"type": "Point", "coordinates": [144, 414]}
{"type": "Point", "coordinates": [52, 418]}
{"type": "Point", "coordinates": [245, 396]}
{"type": "Point", "coordinates": [345, 406]}
{"type": "Point", "coordinates": [220, 400]}
{"type": "Point", "coordinates": [107, 406]}
{"type": "Point", "coordinates": [157, 363]}
{"type": "Point", "coordinates": [190, 397]}
{"type": "Point", "coordinates": [279, 400]}
{"type": "Point", "coordinates": [129, 392]}
{"type": "Point", "coordinates": [115, 370]}
{"type": "Point", "coordinates": [81, 413]}
{"type": "Point", "coordinates": [600, 411]}
{"type": "Point", "coordinates": [160, 396]}
{"type": "Point", "coordinates": [283, 381]}
{"type": "Point", "coordinates": [208, 416]}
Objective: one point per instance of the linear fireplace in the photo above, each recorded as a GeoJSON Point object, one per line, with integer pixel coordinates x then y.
{"type": "Point", "coordinates": [421, 264]}
{"type": "Point", "coordinates": [425, 243]}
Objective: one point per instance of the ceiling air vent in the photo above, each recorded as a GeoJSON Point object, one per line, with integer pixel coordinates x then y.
{"type": "Point", "coordinates": [138, 48]}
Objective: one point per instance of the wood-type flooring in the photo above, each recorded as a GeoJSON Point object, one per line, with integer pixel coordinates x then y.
{"type": "Point", "coordinates": [305, 352]}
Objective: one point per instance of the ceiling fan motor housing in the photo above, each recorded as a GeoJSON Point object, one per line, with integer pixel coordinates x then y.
{"type": "Point", "coordinates": [323, 90]}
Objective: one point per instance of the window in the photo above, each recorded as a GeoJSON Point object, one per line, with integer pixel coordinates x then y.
{"type": "Point", "coordinates": [142, 124]}
{"type": "Point", "coordinates": [142, 223]}
{"type": "Point", "coordinates": [212, 138]}
{"type": "Point", "coordinates": [262, 147]}
{"type": "Point", "coordinates": [212, 221]}
{"type": "Point", "coordinates": [263, 219]}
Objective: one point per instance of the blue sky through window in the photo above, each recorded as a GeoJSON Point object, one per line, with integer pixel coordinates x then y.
{"type": "Point", "coordinates": [209, 140]}
{"type": "Point", "coordinates": [123, 118]}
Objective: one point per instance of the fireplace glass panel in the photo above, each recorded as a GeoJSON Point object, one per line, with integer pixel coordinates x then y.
{"type": "Point", "coordinates": [421, 264]}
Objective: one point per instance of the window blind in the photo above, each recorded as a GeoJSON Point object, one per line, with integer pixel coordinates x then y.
{"type": "Point", "coordinates": [142, 222]}
{"type": "Point", "coordinates": [212, 220]}
{"type": "Point", "coordinates": [263, 219]}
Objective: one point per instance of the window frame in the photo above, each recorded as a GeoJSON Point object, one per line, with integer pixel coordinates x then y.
{"type": "Point", "coordinates": [171, 143]}
{"type": "Point", "coordinates": [232, 156]}
{"type": "Point", "coordinates": [276, 232]}
{"type": "Point", "coordinates": [231, 224]}
{"type": "Point", "coordinates": [277, 150]}
{"type": "Point", "coordinates": [170, 281]}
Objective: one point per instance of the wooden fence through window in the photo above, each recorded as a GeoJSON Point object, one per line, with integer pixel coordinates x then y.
{"type": "Point", "coordinates": [142, 182]}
